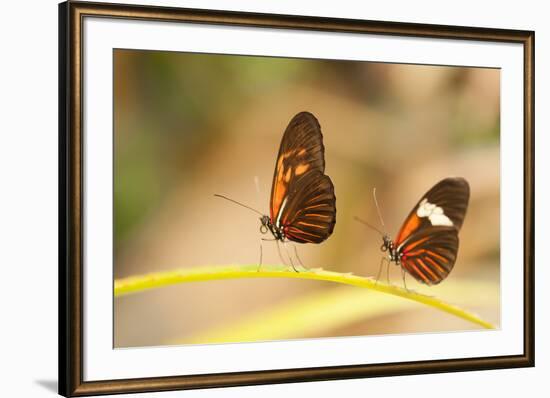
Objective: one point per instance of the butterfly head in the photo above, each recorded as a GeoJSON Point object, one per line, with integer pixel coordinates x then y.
{"type": "Point", "coordinates": [387, 243]}
{"type": "Point", "coordinates": [388, 246]}
{"type": "Point", "coordinates": [266, 224]}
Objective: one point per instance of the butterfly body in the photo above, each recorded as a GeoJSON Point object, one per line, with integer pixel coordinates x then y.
{"type": "Point", "coordinates": [277, 232]}
{"type": "Point", "coordinates": [389, 246]}
{"type": "Point", "coordinates": [426, 246]}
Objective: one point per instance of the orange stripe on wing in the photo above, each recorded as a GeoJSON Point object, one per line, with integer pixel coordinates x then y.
{"type": "Point", "coordinates": [314, 198]}
{"type": "Point", "coordinates": [432, 274]}
{"type": "Point", "coordinates": [310, 225]}
{"type": "Point", "coordinates": [413, 266]}
{"type": "Point", "coordinates": [318, 215]}
{"type": "Point", "coordinates": [315, 206]}
{"type": "Point", "coordinates": [300, 211]}
{"type": "Point", "coordinates": [298, 230]}
{"type": "Point", "coordinates": [301, 169]}
{"type": "Point", "coordinates": [408, 228]}
{"type": "Point", "coordinates": [426, 253]}
{"type": "Point", "coordinates": [279, 191]}
{"type": "Point", "coordinates": [436, 265]}
{"type": "Point", "coordinates": [279, 188]}
{"type": "Point", "coordinates": [436, 255]}
{"type": "Point", "coordinates": [299, 237]}
{"type": "Point", "coordinates": [412, 245]}
{"type": "Point", "coordinates": [416, 253]}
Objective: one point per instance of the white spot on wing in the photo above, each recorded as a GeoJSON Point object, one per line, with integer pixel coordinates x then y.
{"type": "Point", "coordinates": [434, 213]}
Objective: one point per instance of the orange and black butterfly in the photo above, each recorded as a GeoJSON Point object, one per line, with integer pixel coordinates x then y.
{"type": "Point", "coordinates": [302, 204]}
{"type": "Point", "coordinates": [426, 246]}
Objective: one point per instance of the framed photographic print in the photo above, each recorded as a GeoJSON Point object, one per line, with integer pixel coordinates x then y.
{"type": "Point", "coordinates": [252, 199]}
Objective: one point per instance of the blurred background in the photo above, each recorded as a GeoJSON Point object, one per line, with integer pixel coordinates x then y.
{"type": "Point", "coordinates": [191, 125]}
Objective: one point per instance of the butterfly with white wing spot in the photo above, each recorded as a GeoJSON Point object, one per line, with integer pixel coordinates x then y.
{"type": "Point", "coordinates": [426, 246]}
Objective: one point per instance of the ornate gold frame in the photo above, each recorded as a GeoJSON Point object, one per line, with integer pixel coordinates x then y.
{"type": "Point", "coordinates": [71, 16]}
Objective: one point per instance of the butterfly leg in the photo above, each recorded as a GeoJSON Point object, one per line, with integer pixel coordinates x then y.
{"type": "Point", "coordinates": [298, 257]}
{"type": "Point", "coordinates": [261, 256]}
{"type": "Point", "coordinates": [289, 257]}
{"type": "Point", "coordinates": [281, 254]}
{"type": "Point", "coordinates": [403, 275]}
{"type": "Point", "coordinates": [386, 262]}
{"type": "Point", "coordinates": [261, 250]}
{"type": "Point", "coordinates": [380, 268]}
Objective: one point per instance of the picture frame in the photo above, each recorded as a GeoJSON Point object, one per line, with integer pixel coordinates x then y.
{"type": "Point", "coordinates": [74, 204]}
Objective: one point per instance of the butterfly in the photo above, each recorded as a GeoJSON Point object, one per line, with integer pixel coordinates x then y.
{"type": "Point", "coordinates": [426, 246]}
{"type": "Point", "coordinates": [302, 203]}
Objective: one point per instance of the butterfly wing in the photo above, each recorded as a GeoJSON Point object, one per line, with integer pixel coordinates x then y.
{"type": "Point", "coordinates": [302, 196]}
{"type": "Point", "coordinates": [430, 254]}
{"type": "Point", "coordinates": [301, 151]}
{"type": "Point", "coordinates": [443, 205]}
{"type": "Point", "coordinates": [308, 214]}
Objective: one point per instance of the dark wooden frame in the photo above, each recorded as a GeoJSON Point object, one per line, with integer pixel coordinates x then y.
{"type": "Point", "coordinates": [71, 237]}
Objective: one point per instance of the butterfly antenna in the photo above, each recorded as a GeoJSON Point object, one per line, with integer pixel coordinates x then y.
{"type": "Point", "coordinates": [369, 225]}
{"type": "Point", "coordinates": [238, 203]}
{"type": "Point", "coordinates": [378, 209]}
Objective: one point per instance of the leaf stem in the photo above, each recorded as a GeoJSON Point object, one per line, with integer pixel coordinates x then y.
{"type": "Point", "coordinates": [140, 283]}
